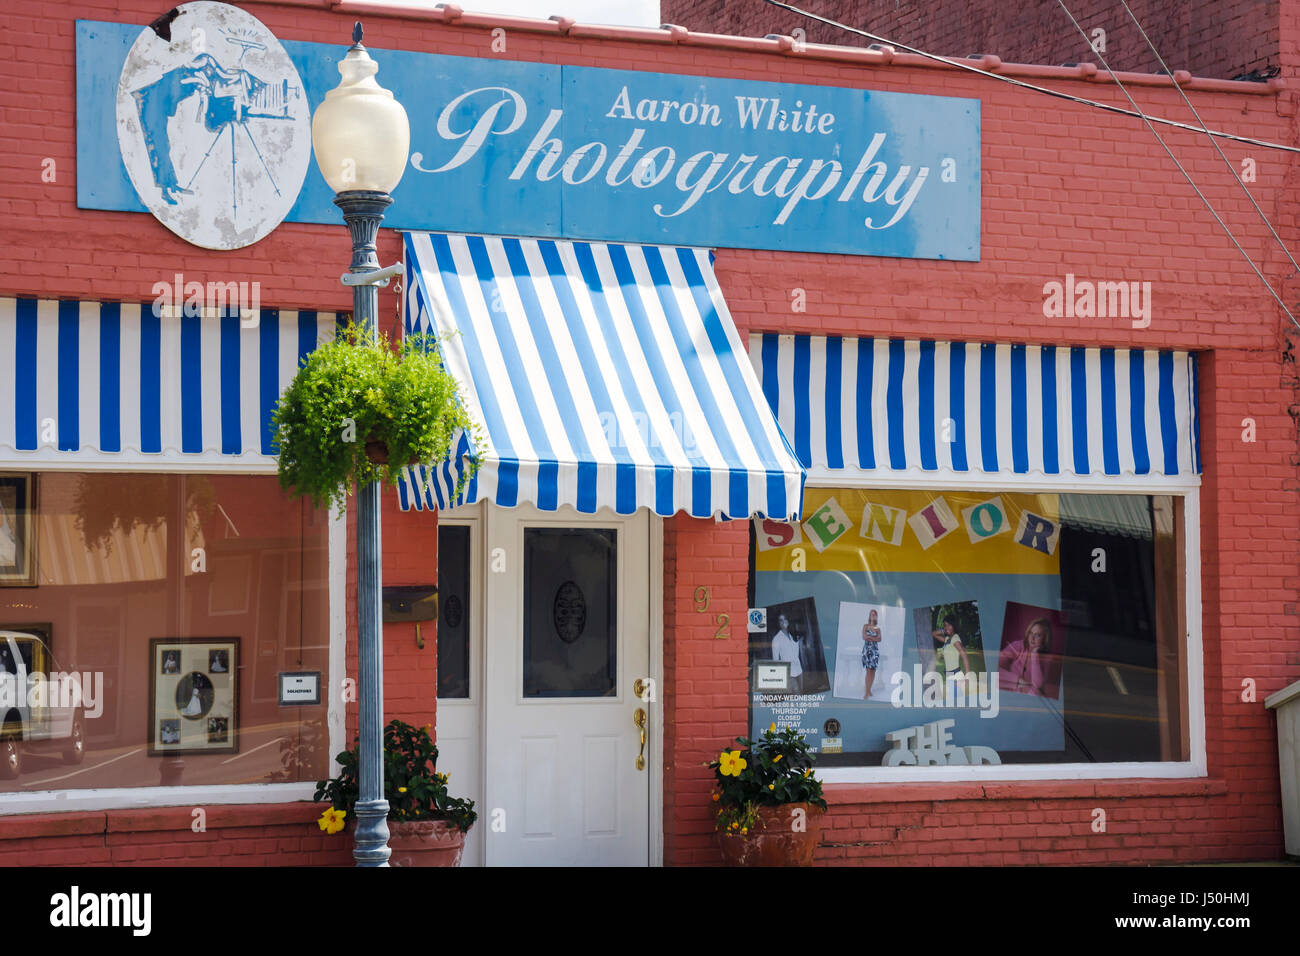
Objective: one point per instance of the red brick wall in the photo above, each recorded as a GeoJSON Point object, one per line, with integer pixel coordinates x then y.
{"type": "Point", "coordinates": [262, 835]}
{"type": "Point", "coordinates": [1065, 189]}
{"type": "Point", "coordinates": [1219, 38]}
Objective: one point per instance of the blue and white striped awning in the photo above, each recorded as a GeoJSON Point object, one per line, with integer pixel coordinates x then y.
{"type": "Point", "coordinates": [880, 406]}
{"type": "Point", "coordinates": [107, 383]}
{"type": "Point", "coordinates": [600, 376]}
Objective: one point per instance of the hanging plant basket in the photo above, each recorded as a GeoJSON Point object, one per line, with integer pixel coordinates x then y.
{"type": "Point", "coordinates": [361, 409]}
{"type": "Point", "coordinates": [377, 450]}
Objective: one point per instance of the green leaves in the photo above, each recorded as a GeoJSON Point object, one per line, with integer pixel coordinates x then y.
{"type": "Point", "coordinates": [361, 388]}
{"type": "Point", "coordinates": [778, 769]}
{"type": "Point", "coordinates": [413, 787]}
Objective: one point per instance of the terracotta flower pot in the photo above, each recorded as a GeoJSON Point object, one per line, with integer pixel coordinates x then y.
{"type": "Point", "coordinates": [425, 843]}
{"type": "Point", "coordinates": [783, 837]}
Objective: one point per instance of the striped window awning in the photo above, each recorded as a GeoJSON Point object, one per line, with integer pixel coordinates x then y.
{"type": "Point", "coordinates": [600, 376]}
{"type": "Point", "coordinates": [104, 384]}
{"type": "Point", "coordinates": [876, 407]}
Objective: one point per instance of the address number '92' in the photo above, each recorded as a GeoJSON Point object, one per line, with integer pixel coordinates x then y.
{"type": "Point", "coordinates": [723, 620]}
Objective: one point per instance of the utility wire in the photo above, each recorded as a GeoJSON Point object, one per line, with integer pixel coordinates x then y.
{"type": "Point", "coordinates": [1181, 169]}
{"type": "Point", "coordinates": [1227, 162]}
{"type": "Point", "coordinates": [1135, 112]}
{"type": "Point", "coordinates": [1058, 94]}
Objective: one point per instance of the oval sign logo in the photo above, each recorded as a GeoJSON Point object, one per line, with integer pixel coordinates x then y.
{"type": "Point", "coordinates": [214, 126]}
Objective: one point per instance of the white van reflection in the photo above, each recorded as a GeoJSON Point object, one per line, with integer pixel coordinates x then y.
{"type": "Point", "coordinates": [42, 708]}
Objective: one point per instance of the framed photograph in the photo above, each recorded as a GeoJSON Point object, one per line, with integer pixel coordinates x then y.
{"type": "Point", "coordinates": [793, 636]}
{"type": "Point", "coordinates": [193, 695]}
{"type": "Point", "coordinates": [17, 530]}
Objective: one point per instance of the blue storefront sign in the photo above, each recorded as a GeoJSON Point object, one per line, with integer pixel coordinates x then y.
{"type": "Point", "coordinates": [513, 148]}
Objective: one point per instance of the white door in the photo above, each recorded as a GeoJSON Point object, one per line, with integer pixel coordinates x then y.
{"type": "Point", "coordinates": [566, 739]}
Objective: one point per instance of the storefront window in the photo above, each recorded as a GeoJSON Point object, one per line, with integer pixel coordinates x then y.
{"type": "Point", "coordinates": [172, 634]}
{"type": "Point", "coordinates": [903, 628]}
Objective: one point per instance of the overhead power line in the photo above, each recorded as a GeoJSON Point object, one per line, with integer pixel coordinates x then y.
{"type": "Point", "coordinates": [1046, 91]}
{"type": "Point", "coordinates": [1181, 169]}
{"type": "Point", "coordinates": [1136, 113]}
{"type": "Point", "coordinates": [1227, 162]}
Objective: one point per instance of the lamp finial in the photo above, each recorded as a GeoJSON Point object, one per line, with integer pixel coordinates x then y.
{"type": "Point", "coordinates": [356, 33]}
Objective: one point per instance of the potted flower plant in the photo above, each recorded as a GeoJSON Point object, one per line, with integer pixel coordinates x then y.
{"type": "Point", "coordinates": [770, 803]}
{"type": "Point", "coordinates": [360, 409]}
{"type": "Point", "coordinates": [426, 825]}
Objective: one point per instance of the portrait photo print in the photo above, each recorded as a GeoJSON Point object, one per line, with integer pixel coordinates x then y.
{"type": "Point", "coordinates": [948, 637]}
{"type": "Point", "coordinates": [793, 635]}
{"type": "Point", "coordinates": [1032, 651]}
{"type": "Point", "coordinates": [868, 650]}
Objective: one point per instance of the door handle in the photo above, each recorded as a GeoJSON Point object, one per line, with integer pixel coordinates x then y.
{"type": "Point", "coordinates": [639, 719]}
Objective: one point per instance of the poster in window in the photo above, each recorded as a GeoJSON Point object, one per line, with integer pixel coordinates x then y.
{"type": "Point", "coordinates": [954, 570]}
{"type": "Point", "coordinates": [17, 530]}
{"type": "Point", "coordinates": [193, 695]}
{"type": "Point", "coordinates": [794, 635]}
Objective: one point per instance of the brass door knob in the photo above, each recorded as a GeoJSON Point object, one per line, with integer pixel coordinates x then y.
{"type": "Point", "coordinates": [639, 719]}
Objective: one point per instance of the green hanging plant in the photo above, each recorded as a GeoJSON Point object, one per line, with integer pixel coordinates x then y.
{"type": "Point", "coordinates": [361, 409]}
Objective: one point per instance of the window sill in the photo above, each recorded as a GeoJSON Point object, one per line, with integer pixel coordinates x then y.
{"type": "Point", "coordinates": [840, 794]}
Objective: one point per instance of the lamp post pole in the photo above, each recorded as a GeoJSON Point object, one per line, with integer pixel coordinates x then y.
{"type": "Point", "coordinates": [363, 210]}
{"type": "Point", "coordinates": [361, 137]}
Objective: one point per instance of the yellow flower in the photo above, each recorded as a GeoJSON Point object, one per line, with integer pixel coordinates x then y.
{"type": "Point", "coordinates": [735, 826]}
{"type": "Point", "coordinates": [771, 786]}
{"type": "Point", "coordinates": [401, 790]}
{"type": "Point", "coordinates": [731, 763]}
{"type": "Point", "coordinates": [772, 727]}
{"type": "Point", "coordinates": [331, 821]}
{"type": "Point", "coordinates": [744, 830]}
{"type": "Point", "coordinates": [777, 758]}
{"type": "Point", "coordinates": [716, 798]}
{"type": "Point", "coordinates": [808, 772]}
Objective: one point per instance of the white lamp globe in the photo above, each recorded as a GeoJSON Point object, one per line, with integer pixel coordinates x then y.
{"type": "Point", "coordinates": [360, 133]}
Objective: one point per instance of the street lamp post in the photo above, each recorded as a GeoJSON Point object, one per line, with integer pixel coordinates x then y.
{"type": "Point", "coordinates": [361, 138]}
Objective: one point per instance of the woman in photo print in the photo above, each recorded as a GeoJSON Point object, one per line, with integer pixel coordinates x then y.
{"type": "Point", "coordinates": [871, 649]}
{"type": "Point", "coordinates": [1023, 665]}
{"type": "Point", "coordinates": [956, 665]}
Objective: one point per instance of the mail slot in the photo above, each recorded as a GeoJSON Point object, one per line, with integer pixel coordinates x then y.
{"type": "Point", "coordinates": [410, 603]}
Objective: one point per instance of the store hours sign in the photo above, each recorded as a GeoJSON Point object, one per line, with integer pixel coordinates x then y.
{"type": "Point", "coordinates": [511, 148]}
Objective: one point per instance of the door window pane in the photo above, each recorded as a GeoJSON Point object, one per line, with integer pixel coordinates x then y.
{"type": "Point", "coordinates": [570, 620]}
{"type": "Point", "coordinates": [453, 611]}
